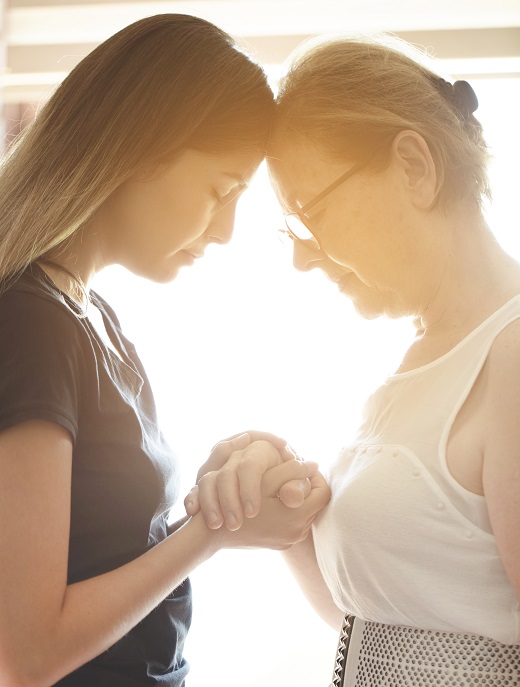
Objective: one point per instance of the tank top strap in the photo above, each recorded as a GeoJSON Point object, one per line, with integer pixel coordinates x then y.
{"type": "Point", "coordinates": [475, 345]}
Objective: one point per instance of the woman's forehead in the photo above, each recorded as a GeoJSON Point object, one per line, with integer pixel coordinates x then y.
{"type": "Point", "coordinates": [298, 171]}
{"type": "Point", "coordinates": [286, 182]}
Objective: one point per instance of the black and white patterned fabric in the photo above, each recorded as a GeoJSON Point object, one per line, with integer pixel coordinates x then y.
{"type": "Point", "coordinates": [377, 655]}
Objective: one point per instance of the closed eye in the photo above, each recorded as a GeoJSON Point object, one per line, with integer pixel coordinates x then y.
{"type": "Point", "coordinates": [230, 196]}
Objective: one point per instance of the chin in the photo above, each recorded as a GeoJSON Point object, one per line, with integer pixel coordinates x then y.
{"type": "Point", "coordinates": [367, 312]}
{"type": "Point", "coordinates": [159, 274]}
{"type": "Point", "coordinates": [371, 303]}
{"type": "Point", "coordinates": [371, 310]}
{"type": "Point", "coordinates": [167, 275]}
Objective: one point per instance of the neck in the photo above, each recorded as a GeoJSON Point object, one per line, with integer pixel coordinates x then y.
{"type": "Point", "coordinates": [73, 264]}
{"type": "Point", "coordinates": [79, 259]}
{"type": "Point", "coordinates": [477, 277]}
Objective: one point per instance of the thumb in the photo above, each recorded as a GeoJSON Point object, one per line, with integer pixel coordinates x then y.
{"type": "Point", "coordinates": [293, 493]}
{"type": "Point", "coordinates": [191, 502]}
{"type": "Point", "coordinates": [276, 477]}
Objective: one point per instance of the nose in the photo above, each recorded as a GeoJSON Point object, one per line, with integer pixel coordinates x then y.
{"type": "Point", "coordinates": [221, 228]}
{"type": "Point", "coordinates": [305, 257]}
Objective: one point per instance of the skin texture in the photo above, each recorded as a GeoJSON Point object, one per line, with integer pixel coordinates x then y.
{"type": "Point", "coordinates": [367, 227]}
{"type": "Point", "coordinates": [392, 252]}
{"type": "Point", "coordinates": [152, 226]}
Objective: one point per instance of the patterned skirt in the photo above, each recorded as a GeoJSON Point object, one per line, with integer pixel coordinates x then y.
{"type": "Point", "coordinates": [377, 655]}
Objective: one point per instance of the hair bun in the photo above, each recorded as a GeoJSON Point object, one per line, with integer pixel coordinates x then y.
{"type": "Point", "coordinates": [461, 95]}
{"type": "Point", "coordinates": [465, 98]}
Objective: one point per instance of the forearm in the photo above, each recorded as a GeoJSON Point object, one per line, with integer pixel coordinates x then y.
{"type": "Point", "coordinates": [174, 526]}
{"type": "Point", "coordinates": [301, 559]}
{"type": "Point", "coordinates": [98, 612]}
{"type": "Point", "coordinates": [48, 628]}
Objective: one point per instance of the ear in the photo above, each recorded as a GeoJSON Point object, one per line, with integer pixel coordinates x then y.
{"type": "Point", "coordinates": [414, 159]}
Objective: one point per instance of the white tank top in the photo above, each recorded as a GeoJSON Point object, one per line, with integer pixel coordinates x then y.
{"type": "Point", "coordinates": [402, 542]}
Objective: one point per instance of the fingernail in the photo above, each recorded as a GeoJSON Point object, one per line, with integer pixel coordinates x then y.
{"type": "Point", "coordinates": [188, 504]}
{"type": "Point", "coordinates": [214, 522]}
{"type": "Point", "coordinates": [249, 509]}
{"type": "Point", "coordinates": [231, 521]}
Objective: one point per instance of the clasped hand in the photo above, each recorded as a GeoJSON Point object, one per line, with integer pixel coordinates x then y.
{"type": "Point", "coordinates": [256, 487]}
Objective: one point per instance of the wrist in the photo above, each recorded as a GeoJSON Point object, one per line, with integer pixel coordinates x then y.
{"type": "Point", "coordinates": [211, 540]}
{"type": "Point", "coordinates": [174, 526]}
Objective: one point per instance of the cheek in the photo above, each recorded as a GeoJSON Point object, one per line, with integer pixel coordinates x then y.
{"type": "Point", "coordinates": [171, 220]}
{"type": "Point", "coordinates": [361, 229]}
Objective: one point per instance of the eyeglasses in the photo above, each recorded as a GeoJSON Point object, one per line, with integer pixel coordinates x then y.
{"type": "Point", "coordinates": [297, 223]}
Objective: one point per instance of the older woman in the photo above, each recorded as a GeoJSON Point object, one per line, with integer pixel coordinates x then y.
{"type": "Point", "coordinates": [380, 166]}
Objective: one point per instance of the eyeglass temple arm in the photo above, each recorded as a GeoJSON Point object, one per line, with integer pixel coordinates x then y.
{"type": "Point", "coordinates": [333, 186]}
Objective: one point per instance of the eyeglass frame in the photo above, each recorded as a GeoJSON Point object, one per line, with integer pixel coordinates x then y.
{"type": "Point", "coordinates": [301, 214]}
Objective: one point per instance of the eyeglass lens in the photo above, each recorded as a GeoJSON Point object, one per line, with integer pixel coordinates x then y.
{"type": "Point", "coordinates": [298, 228]}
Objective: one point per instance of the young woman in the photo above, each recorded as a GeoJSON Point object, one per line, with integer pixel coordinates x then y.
{"type": "Point", "coordinates": [137, 159]}
{"type": "Point", "coordinates": [380, 165]}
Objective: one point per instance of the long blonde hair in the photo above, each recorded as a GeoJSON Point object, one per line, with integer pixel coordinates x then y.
{"type": "Point", "coordinates": [160, 85]}
{"type": "Point", "coordinates": [352, 96]}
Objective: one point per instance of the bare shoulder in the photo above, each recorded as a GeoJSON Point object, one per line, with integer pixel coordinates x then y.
{"type": "Point", "coordinates": [503, 368]}
{"type": "Point", "coordinates": [509, 336]}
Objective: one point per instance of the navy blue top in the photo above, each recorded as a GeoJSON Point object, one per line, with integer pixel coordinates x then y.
{"type": "Point", "coordinates": [55, 367]}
